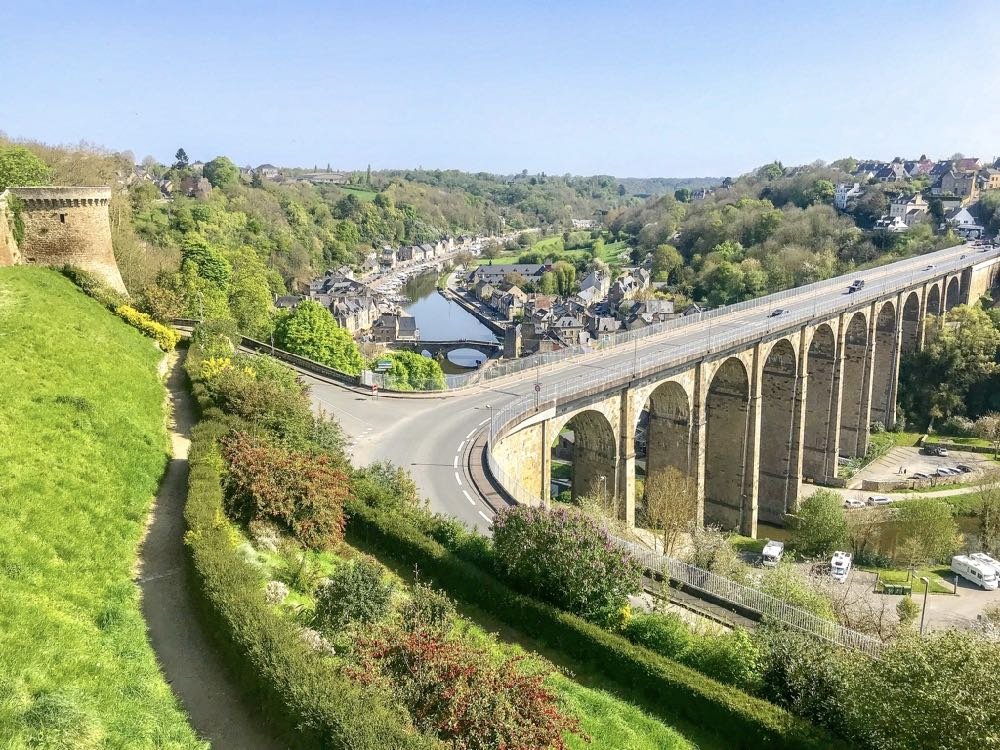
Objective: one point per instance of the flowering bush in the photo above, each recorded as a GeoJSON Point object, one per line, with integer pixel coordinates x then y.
{"type": "Point", "coordinates": [304, 493]}
{"type": "Point", "coordinates": [565, 558]}
{"type": "Point", "coordinates": [165, 336]}
{"type": "Point", "coordinates": [458, 692]}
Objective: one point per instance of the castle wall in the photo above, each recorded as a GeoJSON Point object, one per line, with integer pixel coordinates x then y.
{"type": "Point", "coordinates": [9, 253]}
{"type": "Point", "coordinates": [69, 225]}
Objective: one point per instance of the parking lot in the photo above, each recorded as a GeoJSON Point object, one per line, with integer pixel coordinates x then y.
{"type": "Point", "coordinates": [909, 459]}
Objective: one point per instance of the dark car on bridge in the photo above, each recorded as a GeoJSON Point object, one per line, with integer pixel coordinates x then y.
{"type": "Point", "coordinates": [856, 286]}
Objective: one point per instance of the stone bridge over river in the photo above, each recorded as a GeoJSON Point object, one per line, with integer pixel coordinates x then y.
{"type": "Point", "coordinates": [749, 403]}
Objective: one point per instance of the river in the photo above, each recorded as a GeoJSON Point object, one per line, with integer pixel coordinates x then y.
{"type": "Point", "coordinates": [440, 319]}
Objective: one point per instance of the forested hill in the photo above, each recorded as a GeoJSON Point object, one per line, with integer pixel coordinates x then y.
{"type": "Point", "coordinates": [768, 230]}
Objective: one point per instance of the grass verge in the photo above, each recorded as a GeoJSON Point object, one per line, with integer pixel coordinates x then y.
{"type": "Point", "coordinates": [83, 446]}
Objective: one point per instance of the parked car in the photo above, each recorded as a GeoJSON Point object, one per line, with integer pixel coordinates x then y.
{"type": "Point", "coordinates": [879, 500]}
{"type": "Point", "coordinates": [943, 472]}
{"type": "Point", "coordinates": [840, 566]}
{"type": "Point", "coordinates": [965, 468]}
{"type": "Point", "coordinates": [852, 503]}
{"type": "Point", "coordinates": [920, 475]}
{"type": "Point", "coordinates": [941, 451]}
{"type": "Point", "coordinates": [772, 553]}
{"type": "Point", "coordinates": [934, 450]}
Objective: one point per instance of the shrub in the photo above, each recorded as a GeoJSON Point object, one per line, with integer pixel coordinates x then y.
{"type": "Point", "coordinates": [303, 493]}
{"type": "Point", "coordinates": [734, 658]}
{"type": "Point", "coordinates": [164, 336]}
{"type": "Point", "coordinates": [564, 558]}
{"type": "Point", "coordinates": [957, 426]}
{"type": "Point", "coordinates": [354, 593]}
{"type": "Point", "coordinates": [667, 635]}
{"type": "Point", "coordinates": [663, 685]}
{"type": "Point", "coordinates": [92, 286]}
{"type": "Point", "coordinates": [820, 526]}
{"type": "Point", "coordinates": [428, 608]}
{"type": "Point", "coordinates": [382, 484]}
{"type": "Point", "coordinates": [295, 690]}
{"type": "Point", "coordinates": [456, 691]}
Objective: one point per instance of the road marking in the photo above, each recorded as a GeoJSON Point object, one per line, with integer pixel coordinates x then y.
{"type": "Point", "coordinates": [460, 446]}
{"type": "Point", "coordinates": [468, 496]}
{"type": "Point", "coordinates": [471, 434]}
{"type": "Point", "coordinates": [454, 464]}
{"type": "Point", "coordinates": [458, 479]}
{"type": "Point", "coordinates": [486, 517]}
{"type": "Point", "coordinates": [483, 422]}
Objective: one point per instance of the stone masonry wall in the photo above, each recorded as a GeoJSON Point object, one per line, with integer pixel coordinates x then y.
{"type": "Point", "coordinates": [69, 225]}
{"type": "Point", "coordinates": [9, 254]}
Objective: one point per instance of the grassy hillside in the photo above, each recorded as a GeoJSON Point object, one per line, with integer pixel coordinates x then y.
{"type": "Point", "coordinates": [82, 448]}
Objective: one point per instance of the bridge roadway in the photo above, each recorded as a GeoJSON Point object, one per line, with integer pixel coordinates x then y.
{"type": "Point", "coordinates": [432, 435]}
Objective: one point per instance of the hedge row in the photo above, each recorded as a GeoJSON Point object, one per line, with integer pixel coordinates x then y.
{"type": "Point", "coordinates": [163, 335]}
{"type": "Point", "coordinates": [741, 720]}
{"type": "Point", "coordinates": [299, 693]}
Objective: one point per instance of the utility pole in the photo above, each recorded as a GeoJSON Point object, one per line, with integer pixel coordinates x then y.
{"type": "Point", "coordinates": [923, 610]}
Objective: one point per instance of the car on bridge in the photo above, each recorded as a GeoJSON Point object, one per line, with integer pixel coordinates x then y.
{"type": "Point", "coordinates": [856, 286]}
{"type": "Point", "coordinates": [929, 267]}
{"type": "Point", "coordinates": [775, 313]}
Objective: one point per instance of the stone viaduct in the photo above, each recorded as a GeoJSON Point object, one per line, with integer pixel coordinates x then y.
{"type": "Point", "coordinates": [749, 424]}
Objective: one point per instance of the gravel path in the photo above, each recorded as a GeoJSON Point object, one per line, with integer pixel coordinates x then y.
{"type": "Point", "coordinates": [197, 675]}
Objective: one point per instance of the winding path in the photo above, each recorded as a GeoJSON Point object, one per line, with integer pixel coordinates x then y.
{"type": "Point", "coordinates": [188, 659]}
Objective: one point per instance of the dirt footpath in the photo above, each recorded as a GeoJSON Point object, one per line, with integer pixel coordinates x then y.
{"type": "Point", "coordinates": [198, 677]}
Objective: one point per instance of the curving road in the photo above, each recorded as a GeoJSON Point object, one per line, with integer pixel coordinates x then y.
{"type": "Point", "coordinates": [431, 436]}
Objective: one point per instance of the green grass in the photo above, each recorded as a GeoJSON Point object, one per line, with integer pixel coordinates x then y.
{"type": "Point", "coordinates": [82, 446]}
{"type": "Point", "coordinates": [937, 575]}
{"type": "Point", "coordinates": [607, 720]}
{"type": "Point", "coordinates": [360, 193]}
{"type": "Point", "coordinates": [906, 439]}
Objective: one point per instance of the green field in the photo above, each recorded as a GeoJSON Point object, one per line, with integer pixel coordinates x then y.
{"type": "Point", "coordinates": [82, 445]}
{"type": "Point", "coordinates": [362, 194]}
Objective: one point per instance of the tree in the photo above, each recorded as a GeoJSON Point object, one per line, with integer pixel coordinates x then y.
{"type": "Point", "coordinates": [666, 261]}
{"type": "Point", "coordinates": [671, 504]}
{"type": "Point", "coordinates": [355, 593]}
{"type": "Point", "coordinates": [682, 195]}
{"type": "Point", "coordinates": [565, 558]}
{"type": "Point", "coordinates": [19, 167]}
{"type": "Point", "coordinates": [310, 330]}
{"type": "Point", "coordinates": [565, 275]}
{"type": "Point", "coordinates": [210, 263]}
{"type": "Point", "coordinates": [547, 284]}
{"type": "Point", "coordinates": [864, 531]}
{"type": "Point", "coordinates": [987, 427]}
{"type": "Point", "coordinates": [180, 159]}
{"type": "Point", "coordinates": [927, 531]}
{"type": "Point", "coordinates": [221, 172]}
{"type": "Point", "coordinates": [249, 294]}
{"type": "Point", "coordinates": [820, 526]}
{"type": "Point", "coordinates": [821, 192]}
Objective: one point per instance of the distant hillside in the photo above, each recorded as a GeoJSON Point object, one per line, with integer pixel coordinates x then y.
{"type": "Point", "coordinates": [653, 186]}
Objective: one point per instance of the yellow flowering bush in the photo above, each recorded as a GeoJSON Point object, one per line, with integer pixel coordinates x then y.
{"type": "Point", "coordinates": [165, 336]}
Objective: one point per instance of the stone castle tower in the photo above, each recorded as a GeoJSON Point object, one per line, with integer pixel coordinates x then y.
{"type": "Point", "coordinates": [61, 226]}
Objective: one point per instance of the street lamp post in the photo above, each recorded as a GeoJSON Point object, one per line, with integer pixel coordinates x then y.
{"type": "Point", "coordinates": [490, 407]}
{"type": "Point", "coordinates": [923, 610]}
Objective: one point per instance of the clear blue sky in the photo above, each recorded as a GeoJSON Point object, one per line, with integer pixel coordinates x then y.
{"type": "Point", "coordinates": [627, 88]}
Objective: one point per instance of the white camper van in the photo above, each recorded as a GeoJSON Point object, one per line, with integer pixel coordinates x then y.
{"type": "Point", "coordinates": [976, 571]}
{"type": "Point", "coordinates": [772, 553]}
{"type": "Point", "coordinates": [840, 566]}
{"type": "Point", "coordinates": [991, 561]}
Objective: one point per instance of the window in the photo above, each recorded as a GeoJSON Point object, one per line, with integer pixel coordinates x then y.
{"type": "Point", "coordinates": [62, 218]}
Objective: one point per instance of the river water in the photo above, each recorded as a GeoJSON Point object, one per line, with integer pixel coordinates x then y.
{"type": "Point", "coordinates": [440, 319]}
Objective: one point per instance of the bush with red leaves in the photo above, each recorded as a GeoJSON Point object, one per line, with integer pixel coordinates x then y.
{"type": "Point", "coordinates": [302, 492]}
{"type": "Point", "coordinates": [459, 693]}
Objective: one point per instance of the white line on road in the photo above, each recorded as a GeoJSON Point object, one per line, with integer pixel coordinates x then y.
{"type": "Point", "coordinates": [486, 517]}
{"type": "Point", "coordinates": [458, 479]}
{"type": "Point", "coordinates": [470, 434]}
{"type": "Point", "coordinates": [468, 496]}
{"type": "Point", "coordinates": [460, 446]}
{"type": "Point", "coordinates": [454, 464]}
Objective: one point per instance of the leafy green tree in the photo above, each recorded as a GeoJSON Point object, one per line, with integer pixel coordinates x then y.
{"type": "Point", "coordinates": [666, 261]}
{"type": "Point", "coordinates": [355, 593]}
{"type": "Point", "coordinates": [927, 531]}
{"type": "Point", "coordinates": [547, 284]}
{"type": "Point", "coordinates": [180, 159]}
{"type": "Point", "coordinates": [821, 192]}
{"type": "Point", "coordinates": [414, 372]}
{"type": "Point", "coordinates": [565, 276]}
{"type": "Point", "coordinates": [250, 296]}
{"type": "Point", "coordinates": [221, 172]}
{"type": "Point", "coordinates": [210, 263]}
{"type": "Point", "coordinates": [682, 195]}
{"type": "Point", "coordinates": [820, 526]}
{"type": "Point", "coordinates": [310, 330]}
{"type": "Point", "coordinates": [19, 167]}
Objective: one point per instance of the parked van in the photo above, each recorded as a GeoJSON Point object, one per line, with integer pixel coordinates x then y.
{"type": "Point", "coordinates": [984, 558]}
{"type": "Point", "coordinates": [772, 553]}
{"type": "Point", "coordinates": [840, 566]}
{"type": "Point", "coordinates": [976, 571]}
